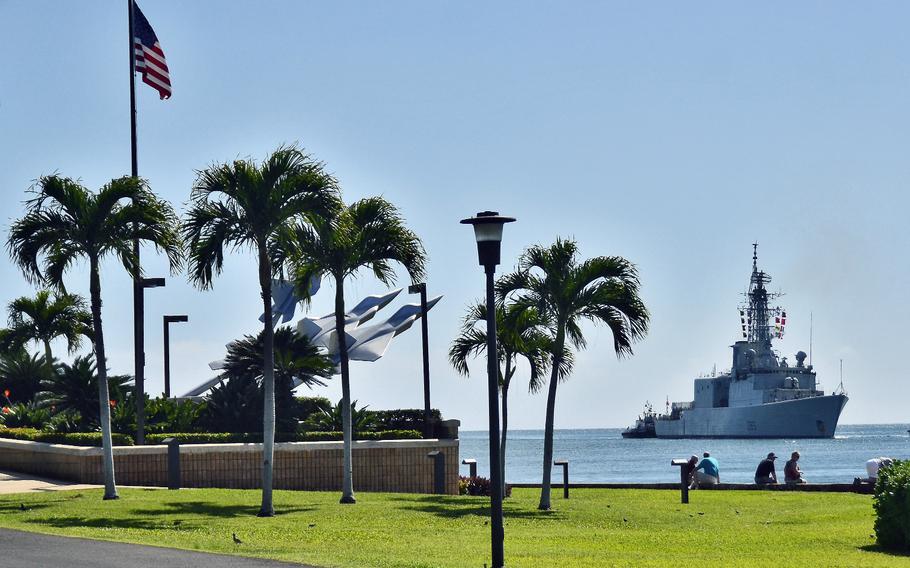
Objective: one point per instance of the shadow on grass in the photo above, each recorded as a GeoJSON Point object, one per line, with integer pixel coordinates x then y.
{"type": "Point", "coordinates": [881, 550]}
{"type": "Point", "coordinates": [209, 509]}
{"type": "Point", "coordinates": [17, 508]}
{"type": "Point", "coordinates": [100, 523]}
{"type": "Point", "coordinates": [451, 507]}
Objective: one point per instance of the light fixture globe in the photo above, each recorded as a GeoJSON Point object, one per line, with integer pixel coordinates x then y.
{"type": "Point", "coordinates": [488, 234]}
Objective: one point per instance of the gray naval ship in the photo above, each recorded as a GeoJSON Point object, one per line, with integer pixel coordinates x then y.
{"type": "Point", "coordinates": [762, 396]}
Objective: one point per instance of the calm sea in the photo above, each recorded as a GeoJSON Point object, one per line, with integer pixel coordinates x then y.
{"type": "Point", "coordinates": [604, 456]}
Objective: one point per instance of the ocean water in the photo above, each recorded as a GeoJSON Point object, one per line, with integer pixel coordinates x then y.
{"type": "Point", "coordinates": [602, 455]}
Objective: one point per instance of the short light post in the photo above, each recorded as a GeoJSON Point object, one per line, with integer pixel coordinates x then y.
{"type": "Point", "coordinates": [488, 233]}
{"type": "Point", "coordinates": [167, 350]}
{"type": "Point", "coordinates": [422, 290]}
{"type": "Point", "coordinates": [139, 286]}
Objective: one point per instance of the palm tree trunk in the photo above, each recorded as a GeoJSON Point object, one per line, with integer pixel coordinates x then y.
{"type": "Point", "coordinates": [347, 481]}
{"type": "Point", "coordinates": [268, 384]}
{"type": "Point", "coordinates": [505, 429]}
{"type": "Point", "coordinates": [47, 353]}
{"type": "Point", "coordinates": [544, 504]}
{"type": "Point", "coordinates": [104, 398]}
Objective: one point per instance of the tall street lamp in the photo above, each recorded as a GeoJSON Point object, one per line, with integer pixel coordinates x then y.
{"type": "Point", "coordinates": [139, 286]}
{"type": "Point", "coordinates": [167, 350]}
{"type": "Point", "coordinates": [488, 233]}
{"type": "Point", "coordinates": [422, 290]}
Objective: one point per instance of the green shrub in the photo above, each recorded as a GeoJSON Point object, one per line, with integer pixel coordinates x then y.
{"type": "Point", "coordinates": [65, 422]}
{"type": "Point", "coordinates": [24, 415]}
{"type": "Point", "coordinates": [309, 405]}
{"type": "Point", "coordinates": [72, 439]}
{"type": "Point", "coordinates": [234, 437]}
{"type": "Point", "coordinates": [338, 436]}
{"type": "Point", "coordinates": [403, 419]}
{"type": "Point", "coordinates": [478, 487]}
{"type": "Point", "coordinates": [892, 506]}
{"type": "Point", "coordinates": [204, 437]}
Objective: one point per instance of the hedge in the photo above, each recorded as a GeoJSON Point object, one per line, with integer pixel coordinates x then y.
{"type": "Point", "coordinates": [94, 438]}
{"type": "Point", "coordinates": [228, 438]}
{"type": "Point", "coordinates": [404, 418]}
{"type": "Point", "coordinates": [72, 439]}
{"type": "Point", "coordinates": [892, 506]}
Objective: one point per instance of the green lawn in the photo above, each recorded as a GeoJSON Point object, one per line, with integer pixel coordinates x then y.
{"type": "Point", "coordinates": [596, 527]}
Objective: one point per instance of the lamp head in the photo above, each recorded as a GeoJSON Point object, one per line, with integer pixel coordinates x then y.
{"type": "Point", "coordinates": [488, 234]}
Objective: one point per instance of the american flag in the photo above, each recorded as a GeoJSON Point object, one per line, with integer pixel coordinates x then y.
{"type": "Point", "coordinates": [149, 56]}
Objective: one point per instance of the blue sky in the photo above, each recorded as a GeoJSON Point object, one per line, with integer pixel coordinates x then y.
{"type": "Point", "coordinates": [672, 134]}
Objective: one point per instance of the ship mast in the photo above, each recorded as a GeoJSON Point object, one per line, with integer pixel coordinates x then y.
{"type": "Point", "coordinates": [757, 310]}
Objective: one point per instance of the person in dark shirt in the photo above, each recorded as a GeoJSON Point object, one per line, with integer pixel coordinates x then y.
{"type": "Point", "coordinates": [792, 473]}
{"type": "Point", "coordinates": [765, 474]}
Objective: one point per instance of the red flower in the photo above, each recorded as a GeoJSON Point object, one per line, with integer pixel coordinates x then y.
{"type": "Point", "coordinates": [6, 393]}
{"type": "Point", "coordinates": [6, 410]}
{"type": "Point", "coordinates": [113, 403]}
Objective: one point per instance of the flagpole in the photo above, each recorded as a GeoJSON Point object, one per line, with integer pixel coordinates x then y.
{"type": "Point", "coordinates": [138, 291]}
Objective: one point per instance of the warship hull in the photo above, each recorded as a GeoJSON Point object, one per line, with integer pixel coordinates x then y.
{"type": "Point", "coordinates": [814, 417]}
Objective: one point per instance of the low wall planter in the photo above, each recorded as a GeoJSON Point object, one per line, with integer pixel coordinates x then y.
{"type": "Point", "coordinates": [398, 466]}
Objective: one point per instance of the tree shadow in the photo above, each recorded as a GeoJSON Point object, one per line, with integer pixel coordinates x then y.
{"type": "Point", "coordinates": [881, 550]}
{"type": "Point", "coordinates": [451, 507]}
{"type": "Point", "coordinates": [208, 509]}
{"type": "Point", "coordinates": [17, 507]}
{"type": "Point", "coordinates": [100, 523]}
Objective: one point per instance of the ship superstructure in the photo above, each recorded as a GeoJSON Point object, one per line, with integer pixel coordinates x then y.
{"type": "Point", "coordinates": [762, 396]}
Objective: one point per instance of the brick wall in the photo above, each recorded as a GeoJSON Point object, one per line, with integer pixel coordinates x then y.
{"type": "Point", "coordinates": [400, 466]}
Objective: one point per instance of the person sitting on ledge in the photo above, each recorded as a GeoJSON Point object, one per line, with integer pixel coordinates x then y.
{"type": "Point", "coordinates": [765, 474]}
{"type": "Point", "coordinates": [873, 465]}
{"type": "Point", "coordinates": [709, 474]}
{"type": "Point", "coordinates": [792, 474]}
{"type": "Point", "coordinates": [690, 468]}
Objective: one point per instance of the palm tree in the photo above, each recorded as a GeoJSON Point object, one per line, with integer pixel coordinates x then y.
{"type": "Point", "coordinates": [70, 387]}
{"type": "Point", "coordinates": [297, 360]}
{"type": "Point", "coordinates": [242, 204]}
{"type": "Point", "coordinates": [518, 334]}
{"type": "Point", "coordinates": [604, 289]}
{"type": "Point", "coordinates": [44, 318]}
{"type": "Point", "coordinates": [21, 374]}
{"type": "Point", "coordinates": [369, 233]}
{"type": "Point", "coordinates": [65, 222]}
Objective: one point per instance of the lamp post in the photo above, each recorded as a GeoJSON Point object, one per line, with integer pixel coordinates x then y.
{"type": "Point", "coordinates": [422, 290]}
{"type": "Point", "coordinates": [167, 351]}
{"type": "Point", "coordinates": [488, 233]}
{"type": "Point", "coordinates": [139, 286]}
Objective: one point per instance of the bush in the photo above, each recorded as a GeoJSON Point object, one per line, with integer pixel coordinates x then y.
{"type": "Point", "coordinates": [234, 437]}
{"type": "Point", "coordinates": [309, 405]}
{"type": "Point", "coordinates": [204, 437]}
{"type": "Point", "coordinates": [404, 419]}
{"type": "Point", "coordinates": [478, 487]}
{"type": "Point", "coordinates": [66, 422]}
{"type": "Point", "coordinates": [24, 415]}
{"type": "Point", "coordinates": [74, 439]}
{"type": "Point", "coordinates": [338, 436]}
{"type": "Point", "coordinates": [892, 506]}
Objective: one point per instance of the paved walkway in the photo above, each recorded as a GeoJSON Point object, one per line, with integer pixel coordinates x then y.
{"type": "Point", "coordinates": [32, 550]}
{"type": "Point", "coordinates": [24, 483]}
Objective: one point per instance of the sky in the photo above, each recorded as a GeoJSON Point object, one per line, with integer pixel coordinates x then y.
{"type": "Point", "coordinates": [672, 134]}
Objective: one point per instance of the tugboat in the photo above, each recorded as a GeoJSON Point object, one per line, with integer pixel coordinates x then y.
{"type": "Point", "coordinates": [644, 426]}
{"type": "Point", "coordinates": [761, 396]}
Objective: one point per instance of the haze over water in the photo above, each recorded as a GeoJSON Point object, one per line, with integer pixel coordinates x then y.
{"type": "Point", "coordinates": [602, 455]}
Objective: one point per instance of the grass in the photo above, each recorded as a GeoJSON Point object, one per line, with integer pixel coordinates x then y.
{"type": "Point", "coordinates": [596, 527]}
